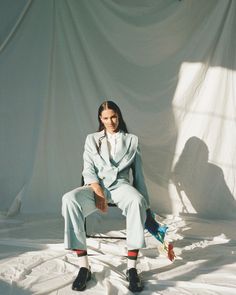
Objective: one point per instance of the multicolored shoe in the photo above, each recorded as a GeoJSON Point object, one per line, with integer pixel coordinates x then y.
{"type": "Point", "coordinates": [169, 249]}
{"type": "Point", "coordinates": [159, 232]}
{"type": "Point", "coordinates": [155, 229]}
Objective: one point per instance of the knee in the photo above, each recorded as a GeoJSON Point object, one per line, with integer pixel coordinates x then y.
{"type": "Point", "coordinates": [71, 199]}
{"type": "Point", "coordinates": [70, 203]}
{"type": "Point", "coordinates": [68, 198]}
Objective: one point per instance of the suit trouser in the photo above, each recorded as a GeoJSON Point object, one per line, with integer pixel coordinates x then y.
{"type": "Point", "coordinates": [79, 203]}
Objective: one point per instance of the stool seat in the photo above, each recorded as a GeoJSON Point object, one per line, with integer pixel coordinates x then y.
{"type": "Point", "coordinates": [102, 236]}
{"type": "Point", "coordinates": [97, 236]}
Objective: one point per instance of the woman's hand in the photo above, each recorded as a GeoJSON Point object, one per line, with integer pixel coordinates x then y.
{"type": "Point", "coordinates": [101, 203]}
{"type": "Point", "coordinates": [100, 199]}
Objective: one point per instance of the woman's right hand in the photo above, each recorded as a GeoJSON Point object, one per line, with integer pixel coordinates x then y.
{"type": "Point", "coordinates": [100, 199]}
{"type": "Point", "coordinates": [101, 203]}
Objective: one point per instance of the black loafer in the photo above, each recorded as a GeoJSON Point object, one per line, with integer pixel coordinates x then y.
{"type": "Point", "coordinates": [135, 284]}
{"type": "Point", "coordinates": [82, 278]}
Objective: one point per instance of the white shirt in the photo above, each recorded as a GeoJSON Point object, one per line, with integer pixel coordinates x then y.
{"type": "Point", "coordinates": [112, 139]}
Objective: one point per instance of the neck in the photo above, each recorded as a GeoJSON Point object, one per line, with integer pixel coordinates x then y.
{"type": "Point", "coordinates": [112, 132]}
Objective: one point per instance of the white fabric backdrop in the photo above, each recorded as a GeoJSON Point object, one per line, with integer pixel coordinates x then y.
{"type": "Point", "coordinates": [170, 66]}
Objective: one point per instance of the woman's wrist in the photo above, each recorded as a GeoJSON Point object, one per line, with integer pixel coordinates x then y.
{"type": "Point", "coordinates": [97, 188]}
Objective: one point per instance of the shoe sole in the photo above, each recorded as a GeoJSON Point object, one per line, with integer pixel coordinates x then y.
{"type": "Point", "coordinates": [136, 290]}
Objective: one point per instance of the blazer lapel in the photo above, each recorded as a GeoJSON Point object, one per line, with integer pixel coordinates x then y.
{"type": "Point", "coordinates": [101, 142]}
{"type": "Point", "coordinates": [104, 152]}
{"type": "Point", "coordinates": [122, 147]}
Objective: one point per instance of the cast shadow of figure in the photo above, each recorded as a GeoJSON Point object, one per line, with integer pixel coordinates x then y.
{"type": "Point", "coordinates": [202, 182]}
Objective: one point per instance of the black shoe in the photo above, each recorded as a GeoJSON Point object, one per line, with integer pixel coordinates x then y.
{"type": "Point", "coordinates": [82, 278]}
{"type": "Point", "coordinates": [135, 284]}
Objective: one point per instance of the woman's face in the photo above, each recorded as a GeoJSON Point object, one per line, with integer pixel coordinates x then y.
{"type": "Point", "coordinates": [110, 120]}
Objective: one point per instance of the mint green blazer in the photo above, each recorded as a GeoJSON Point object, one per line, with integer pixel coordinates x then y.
{"type": "Point", "coordinates": [98, 167]}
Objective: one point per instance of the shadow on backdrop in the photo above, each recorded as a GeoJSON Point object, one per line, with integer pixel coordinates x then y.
{"type": "Point", "coordinates": [202, 182]}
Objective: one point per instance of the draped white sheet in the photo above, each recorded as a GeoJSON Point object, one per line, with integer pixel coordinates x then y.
{"type": "Point", "coordinates": [33, 260]}
{"type": "Point", "coordinates": [170, 66]}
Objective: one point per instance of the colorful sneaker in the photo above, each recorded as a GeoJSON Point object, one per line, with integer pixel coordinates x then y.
{"type": "Point", "coordinates": [155, 228]}
{"type": "Point", "coordinates": [159, 233]}
{"type": "Point", "coordinates": [169, 249]}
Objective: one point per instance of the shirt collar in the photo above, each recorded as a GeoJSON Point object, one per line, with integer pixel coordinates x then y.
{"type": "Point", "coordinates": [113, 135]}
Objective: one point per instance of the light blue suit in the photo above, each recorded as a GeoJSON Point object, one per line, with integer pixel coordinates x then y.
{"type": "Point", "coordinates": [113, 176]}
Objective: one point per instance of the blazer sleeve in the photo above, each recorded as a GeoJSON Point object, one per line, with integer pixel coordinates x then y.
{"type": "Point", "coordinates": [89, 170]}
{"type": "Point", "coordinates": [138, 177]}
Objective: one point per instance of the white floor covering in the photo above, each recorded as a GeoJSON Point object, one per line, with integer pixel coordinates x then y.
{"type": "Point", "coordinates": [33, 260]}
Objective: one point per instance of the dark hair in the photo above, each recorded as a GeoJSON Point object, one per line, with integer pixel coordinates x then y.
{"type": "Point", "coordinates": [108, 104]}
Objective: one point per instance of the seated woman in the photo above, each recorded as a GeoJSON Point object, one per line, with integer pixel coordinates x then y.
{"type": "Point", "coordinates": [109, 154]}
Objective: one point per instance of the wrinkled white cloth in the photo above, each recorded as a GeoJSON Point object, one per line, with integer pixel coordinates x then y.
{"type": "Point", "coordinates": [33, 259]}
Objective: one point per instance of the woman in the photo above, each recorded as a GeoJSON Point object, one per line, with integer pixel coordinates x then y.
{"type": "Point", "coordinates": [109, 154]}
